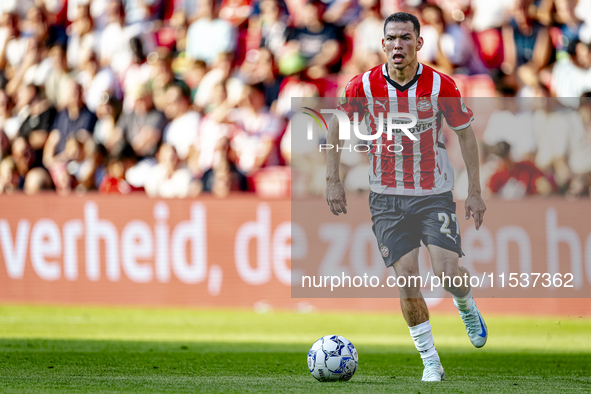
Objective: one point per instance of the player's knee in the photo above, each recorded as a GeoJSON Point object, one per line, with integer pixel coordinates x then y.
{"type": "Point", "coordinates": [446, 267]}
{"type": "Point", "coordinates": [407, 272]}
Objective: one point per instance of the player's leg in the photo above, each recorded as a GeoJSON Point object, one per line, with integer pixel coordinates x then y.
{"type": "Point", "coordinates": [398, 239]}
{"type": "Point", "coordinates": [416, 314]}
{"type": "Point", "coordinates": [440, 231]}
{"type": "Point", "coordinates": [446, 266]}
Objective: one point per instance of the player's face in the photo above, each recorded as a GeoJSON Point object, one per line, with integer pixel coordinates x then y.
{"type": "Point", "coordinates": [400, 43]}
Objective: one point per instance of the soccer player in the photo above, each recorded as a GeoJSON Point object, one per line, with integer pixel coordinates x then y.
{"type": "Point", "coordinates": [411, 180]}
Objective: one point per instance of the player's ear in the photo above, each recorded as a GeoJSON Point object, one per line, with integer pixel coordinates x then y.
{"type": "Point", "coordinates": [420, 43]}
{"type": "Point", "coordinates": [383, 45]}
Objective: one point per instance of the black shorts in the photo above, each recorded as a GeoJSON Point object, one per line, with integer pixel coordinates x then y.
{"type": "Point", "coordinates": [400, 223]}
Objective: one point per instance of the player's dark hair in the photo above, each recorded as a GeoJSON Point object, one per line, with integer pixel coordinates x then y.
{"type": "Point", "coordinates": [404, 17]}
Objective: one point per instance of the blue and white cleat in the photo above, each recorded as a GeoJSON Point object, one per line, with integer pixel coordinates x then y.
{"type": "Point", "coordinates": [433, 372]}
{"type": "Point", "coordinates": [475, 326]}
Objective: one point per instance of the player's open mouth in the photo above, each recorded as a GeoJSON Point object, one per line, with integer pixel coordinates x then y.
{"type": "Point", "coordinates": [398, 58]}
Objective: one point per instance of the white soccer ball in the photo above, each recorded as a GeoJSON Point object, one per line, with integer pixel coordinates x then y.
{"type": "Point", "coordinates": [332, 358]}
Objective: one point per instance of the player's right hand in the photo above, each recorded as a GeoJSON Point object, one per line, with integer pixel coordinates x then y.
{"type": "Point", "coordinates": [335, 197]}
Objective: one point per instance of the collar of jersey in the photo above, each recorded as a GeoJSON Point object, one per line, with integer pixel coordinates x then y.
{"type": "Point", "coordinates": [396, 84]}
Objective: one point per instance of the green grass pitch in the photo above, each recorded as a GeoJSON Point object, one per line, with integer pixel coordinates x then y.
{"type": "Point", "coordinates": [73, 349]}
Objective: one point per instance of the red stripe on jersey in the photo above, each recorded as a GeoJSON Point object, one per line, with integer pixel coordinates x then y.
{"type": "Point", "coordinates": [388, 164]}
{"type": "Point", "coordinates": [377, 90]}
{"type": "Point", "coordinates": [408, 162]}
{"type": "Point", "coordinates": [407, 144]}
{"type": "Point", "coordinates": [438, 125]}
{"type": "Point", "coordinates": [424, 90]}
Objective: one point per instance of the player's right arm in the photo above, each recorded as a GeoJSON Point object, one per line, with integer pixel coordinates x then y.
{"type": "Point", "coordinates": [335, 192]}
{"type": "Point", "coordinates": [349, 104]}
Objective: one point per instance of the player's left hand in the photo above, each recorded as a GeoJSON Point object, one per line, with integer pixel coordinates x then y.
{"type": "Point", "coordinates": [475, 206]}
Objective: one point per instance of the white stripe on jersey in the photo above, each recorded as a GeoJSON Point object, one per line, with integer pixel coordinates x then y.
{"type": "Point", "coordinates": [374, 179]}
{"type": "Point", "coordinates": [434, 103]}
{"type": "Point", "coordinates": [393, 99]}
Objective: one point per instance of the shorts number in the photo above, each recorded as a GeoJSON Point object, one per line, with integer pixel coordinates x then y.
{"type": "Point", "coordinates": [442, 216]}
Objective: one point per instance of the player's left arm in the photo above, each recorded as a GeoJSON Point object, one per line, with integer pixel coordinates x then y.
{"type": "Point", "coordinates": [474, 204]}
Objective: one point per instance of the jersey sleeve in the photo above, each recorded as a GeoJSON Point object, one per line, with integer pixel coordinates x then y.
{"type": "Point", "coordinates": [457, 115]}
{"type": "Point", "coordinates": [352, 98]}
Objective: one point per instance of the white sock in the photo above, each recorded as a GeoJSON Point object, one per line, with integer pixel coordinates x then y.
{"type": "Point", "coordinates": [464, 303]}
{"type": "Point", "coordinates": [423, 337]}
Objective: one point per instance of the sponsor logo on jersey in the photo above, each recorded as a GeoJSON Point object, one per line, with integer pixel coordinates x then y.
{"type": "Point", "coordinates": [382, 104]}
{"type": "Point", "coordinates": [419, 128]}
{"type": "Point", "coordinates": [423, 105]}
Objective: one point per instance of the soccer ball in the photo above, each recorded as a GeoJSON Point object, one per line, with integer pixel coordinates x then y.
{"type": "Point", "coordinates": [332, 358]}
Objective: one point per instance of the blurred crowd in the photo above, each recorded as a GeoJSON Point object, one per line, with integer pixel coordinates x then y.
{"type": "Point", "coordinates": [180, 97]}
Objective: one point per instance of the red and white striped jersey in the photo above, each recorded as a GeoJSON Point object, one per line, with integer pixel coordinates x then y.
{"type": "Point", "coordinates": [422, 167]}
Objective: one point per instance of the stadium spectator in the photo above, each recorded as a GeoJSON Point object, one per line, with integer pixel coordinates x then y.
{"type": "Point", "coordinates": [507, 123]}
{"type": "Point", "coordinates": [200, 42]}
{"type": "Point", "coordinates": [105, 133]}
{"type": "Point", "coordinates": [367, 36]}
{"type": "Point", "coordinates": [115, 50]}
{"type": "Point", "coordinates": [526, 41]}
{"type": "Point", "coordinates": [557, 132]}
{"type": "Point", "coordinates": [568, 21]}
{"type": "Point", "coordinates": [184, 122]}
{"type": "Point", "coordinates": [9, 177]}
{"type": "Point", "coordinates": [140, 11]}
{"type": "Point", "coordinates": [24, 97]}
{"type": "Point", "coordinates": [82, 39]}
{"type": "Point", "coordinates": [193, 75]}
{"type": "Point", "coordinates": [13, 46]}
{"type": "Point", "coordinates": [37, 28]}
{"type": "Point", "coordinates": [58, 79]}
{"type": "Point", "coordinates": [208, 156]}
{"type": "Point", "coordinates": [37, 125]}
{"type": "Point", "coordinates": [6, 106]}
{"type": "Point", "coordinates": [488, 17]}
{"type": "Point", "coordinates": [255, 143]}
{"type": "Point", "coordinates": [173, 35]}
{"type": "Point", "coordinates": [314, 42]}
{"type": "Point", "coordinates": [162, 76]}
{"type": "Point", "coordinates": [114, 181]}
{"type": "Point", "coordinates": [96, 81]}
{"type": "Point", "coordinates": [137, 74]}
{"type": "Point", "coordinates": [514, 180]}
{"type": "Point", "coordinates": [4, 144]}
{"type": "Point", "coordinates": [169, 178]}
{"type": "Point", "coordinates": [75, 120]}
{"type": "Point", "coordinates": [142, 128]}
{"type": "Point", "coordinates": [272, 26]}
{"type": "Point", "coordinates": [236, 12]}
{"type": "Point", "coordinates": [37, 180]}
{"type": "Point", "coordinates": [220, 73]}
{"type": "Point", "coordinates": [571, 77]}
{"type": "Point", "coordinates": [447, 45]}
{"type": "Point", "coordinates": [32, 177]}
{"type": "Point", "coordinates": [579, 160]}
